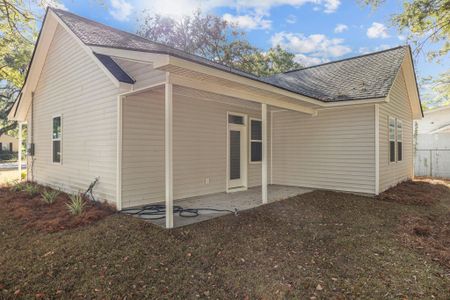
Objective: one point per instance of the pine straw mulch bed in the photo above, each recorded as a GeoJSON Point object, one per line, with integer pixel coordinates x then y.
{"type": "Point", "coordinates": [35, 213]}
{"type": "Point", "coordinates": [420, 191]}
{"type": "Point", "coordinates": [427, 233]}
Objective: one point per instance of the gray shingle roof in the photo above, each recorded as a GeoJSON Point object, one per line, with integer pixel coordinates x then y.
{"type": "Point", "coordinates": [362, 77]}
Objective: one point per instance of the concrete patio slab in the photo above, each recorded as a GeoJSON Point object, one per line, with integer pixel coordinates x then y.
{"type": "Point", "coordinates": [224, 201]}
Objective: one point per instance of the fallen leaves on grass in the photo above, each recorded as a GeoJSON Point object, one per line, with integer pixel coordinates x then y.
{"type": "Point", "coordinates": [49, 218]}
{"type": "Point", "coordinates": [422, 192]}
{"type": "Point", "coordinates": [428, 234]}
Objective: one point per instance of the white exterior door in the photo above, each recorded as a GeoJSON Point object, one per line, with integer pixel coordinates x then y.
{"type": "Point", "coordinates": [237, 153]}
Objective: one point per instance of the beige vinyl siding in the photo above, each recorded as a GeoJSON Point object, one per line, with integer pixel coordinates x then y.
{"type": "Point", "coordinates": [143, 74]}
{"type": "Point", "coordinates": [73, 86]}
{"type": "Point", "coordinates": [334, 150]}
{"type": "Point", "coordinates": [199, 145]}
{"type": "Point", "coordinates": [397, 107]}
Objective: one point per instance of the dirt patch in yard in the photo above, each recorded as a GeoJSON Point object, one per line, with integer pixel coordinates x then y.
{"type": "Point", "coordinates": [35, 213]}
{"type": "Point", "coordinates": [428, 234]}
{"type": "Point", "coordinates": [420, 191]}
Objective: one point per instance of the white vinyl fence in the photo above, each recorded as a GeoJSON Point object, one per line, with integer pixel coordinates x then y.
{"type": "Point", "coordinates": [432, 157]}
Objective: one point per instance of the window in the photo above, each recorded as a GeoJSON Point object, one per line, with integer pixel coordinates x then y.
{"type": "Point", "coordinates": [56, 139]}
{"type": "Point", "coordinates": [255, 141]}
{"type": "Point", "coordinates": [10, 147]}
{"type": "Point", "coordinates": [391, 139]}
{"type": "Point", "coordinates": [395, 140]}
{"type": "Point", "coordinates": [399, 140]}
{"type": "Point", "coordinates": [233, 119]}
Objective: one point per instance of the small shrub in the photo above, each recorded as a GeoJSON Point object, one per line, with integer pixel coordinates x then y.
{"type": "Point", "coordinates": [23, 175]}
{"type": "Point", "coordinates": [14, 185]}
{"type": "Point", "coordinates": [76, 204]}
{"type": "Point", "coordinates": [17, 186]}
{"type": "Point", "coordinates": [31, 189]}
{"type": "Point", "coordinates": [49, 196]}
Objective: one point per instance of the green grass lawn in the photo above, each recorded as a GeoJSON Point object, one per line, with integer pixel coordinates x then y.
{"type": "Point", "coordinates": [317, 245]}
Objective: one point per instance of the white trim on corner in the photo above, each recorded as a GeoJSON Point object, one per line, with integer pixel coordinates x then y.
{"type": "Point", "coordinates": [271, 146]}
{"type": "Point", "coordinates": [250, 141]}
{"type": "Point", "coordinates": [60, 140]}
{"type": "Point", "coordinates": [377, 149]}
{"type": "Point", "coordinates": [119, 203]}
{"type": "Point", "coordinates": [245, 144]}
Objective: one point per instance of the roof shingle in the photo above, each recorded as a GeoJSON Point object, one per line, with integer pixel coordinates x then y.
{"type": "Point", "coordinates": [357, 78]}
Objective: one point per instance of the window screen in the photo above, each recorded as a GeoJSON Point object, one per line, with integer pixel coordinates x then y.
{"type": "Point", "coordinates": [56, 139]}
{"type": "Point", "coordinates": [399, 140]}
{"type": "Point", "coordinates": [391, 139]}
{"type": "Point", "coordinates": [255, 141]}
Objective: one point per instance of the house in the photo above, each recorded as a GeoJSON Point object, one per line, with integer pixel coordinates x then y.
{"type": "Point", "coordinates": [8, 143]}
{"type": "Point", "coordinates": [157, 124]}
{"type": "Point", "coordinates": [432, 144]}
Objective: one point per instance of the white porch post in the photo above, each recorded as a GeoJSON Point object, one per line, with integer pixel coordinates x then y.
{"type": "Point", "coordinates": [264, 152]}
{"type": "Point", "coordinates": [19, 152]}
{"type": "Point", "coordinates": [168, 154]}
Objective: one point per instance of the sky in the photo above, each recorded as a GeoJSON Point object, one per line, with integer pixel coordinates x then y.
{"type": "Point", "coordinates": [316, 31]}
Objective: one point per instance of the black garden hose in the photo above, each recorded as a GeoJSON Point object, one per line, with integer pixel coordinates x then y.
{"type": "Point", "coordinates": [158, 211]}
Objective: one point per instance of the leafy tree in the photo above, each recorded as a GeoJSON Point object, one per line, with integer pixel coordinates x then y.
{"type": "Point", "coordinates": [426, 21]}
{"type": "Point", "coordinates": [213, 38]}
{"type": "Point", "coordinates": [17, 35]}
{"type": "Point", "coordinates": [276, 60]}
{"type": "Point", "coordinates": [438, 90]}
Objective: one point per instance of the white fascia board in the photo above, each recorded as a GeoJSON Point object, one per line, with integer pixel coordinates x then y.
{"type": "Point", "coordinates": [132, 55]}
{"type": "Point", "coordinates": [411, 85]}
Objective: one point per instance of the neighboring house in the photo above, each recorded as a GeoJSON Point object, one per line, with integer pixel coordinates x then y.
{"type": "Point", "coordinates": [8, 143]}
{"type": "Point", "coordinates": [155, 123]}
{"type": "Point", "coordinates": [432, 155]}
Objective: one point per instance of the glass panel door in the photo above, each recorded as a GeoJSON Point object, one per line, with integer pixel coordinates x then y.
{"type": "Point", "coordinates": [235, 154]}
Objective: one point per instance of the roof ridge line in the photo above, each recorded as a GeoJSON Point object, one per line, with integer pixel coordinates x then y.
{"type": "Point", "coordinates": [171, 48]}
{"type": "Point", "coordinates": [345, 59]}
{"type": "Point", "coordinates": [117, 29]}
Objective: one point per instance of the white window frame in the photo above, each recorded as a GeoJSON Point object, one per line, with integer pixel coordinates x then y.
{"type": "Point", "coordinates": [397, 122]}
{"type": "Point", "coordinates": [245, 171]}
{"type": "Point", "coordinates": [250, 140]}
{"type": "Point", "coordinates": [60, 139]}
{"type": "Point", "coordinates": [389, 140]}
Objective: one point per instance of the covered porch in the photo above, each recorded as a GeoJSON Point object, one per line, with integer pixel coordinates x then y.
{"type": "Point", "coordinates": [199, 140]}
